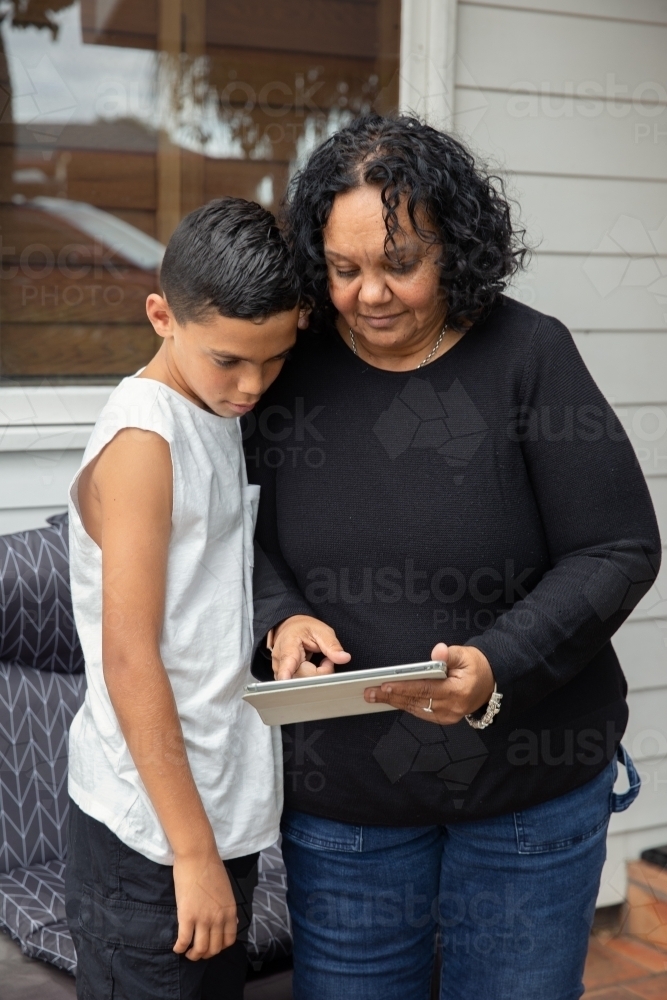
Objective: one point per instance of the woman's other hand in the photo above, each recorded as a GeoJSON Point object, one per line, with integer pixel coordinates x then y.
{"type": "Point", "coordinates": [294, 642]}
{"type": "Point", "coordinates": [468, 686]}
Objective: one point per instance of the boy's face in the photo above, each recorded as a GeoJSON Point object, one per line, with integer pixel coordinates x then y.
{"type": "Point", "coordinates": [225, 364]}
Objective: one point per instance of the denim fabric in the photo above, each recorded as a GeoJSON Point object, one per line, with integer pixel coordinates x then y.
{"type": "Point", "coordinates": [512, 899]}
{"type": "Point", "coordinates": [121, 911]}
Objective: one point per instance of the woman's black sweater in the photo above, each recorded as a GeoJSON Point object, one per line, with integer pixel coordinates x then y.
{"type": "Point", "coordinates": [490, 498]}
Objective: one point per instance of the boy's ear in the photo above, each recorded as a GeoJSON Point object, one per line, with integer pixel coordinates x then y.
{"type": "Point", "coordinates": [160, 315]}
{"type": "Point", "coordinates": [304, 317]}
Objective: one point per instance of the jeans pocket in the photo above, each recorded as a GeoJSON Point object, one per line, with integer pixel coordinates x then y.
{"type": "Point", "coordinates": [569, 819]}
{"type": "Point", "coordinates": [620, 801]}
{"type": "Point", "coordinates": [321, 834]}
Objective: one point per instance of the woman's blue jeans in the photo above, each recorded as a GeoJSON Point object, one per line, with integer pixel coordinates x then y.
{"type": "Point", "coordinates": [512, 898]}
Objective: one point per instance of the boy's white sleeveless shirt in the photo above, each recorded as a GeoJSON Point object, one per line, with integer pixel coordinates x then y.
{"type": "Point", "coordinates": [206, 638]}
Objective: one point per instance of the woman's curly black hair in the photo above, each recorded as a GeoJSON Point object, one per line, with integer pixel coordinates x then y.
{"type": "Point", "coordinates": [465, 208]}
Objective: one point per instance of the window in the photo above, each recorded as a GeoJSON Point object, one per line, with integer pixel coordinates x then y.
{"type": "Point", "coordinates": [117, 117]}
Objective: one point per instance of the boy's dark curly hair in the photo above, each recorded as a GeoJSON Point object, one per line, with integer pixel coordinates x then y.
{"type": "Point", "coordinates": [465, 208]}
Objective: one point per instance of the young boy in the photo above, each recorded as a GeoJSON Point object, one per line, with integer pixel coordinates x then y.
{"type": "Point", "coordinates": [170, 770]}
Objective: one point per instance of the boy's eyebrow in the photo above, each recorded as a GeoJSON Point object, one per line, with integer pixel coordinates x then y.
{"type": "Point", "coordinates": [224, 356]}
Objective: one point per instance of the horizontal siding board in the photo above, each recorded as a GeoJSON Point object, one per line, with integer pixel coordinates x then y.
{"type": "Point", "coordinates": [508, 133]}
{"type": "Point", "coordinates": [563, 53]}
{"type": "Point", "coordinates": [598, 294]}
{"type": "Point", "coordinates": [641, 646]}
{"type": "Point", "coordinates": [52, 437]}
{"type": "Point", "coordinates": [36, 479]}
{"type": "Point", "coordinates": [25, 518]}
{"type": "Point", "coordinates": [649, 11]}
{"type": "Point", "coordinates": [658, 488]}
{"type": "Point", "coordinates": [41, 405]}
{"type": "Point", "coordinates": [582, 215]}
{"type": "Point", "coordinates": [645, 425]}
{"type": "Point", "coordinates": [653, 605]}
{"type": "Point", "coordinates": [646, 735]}
{"type": "Point", "coordinates": [629, 367]}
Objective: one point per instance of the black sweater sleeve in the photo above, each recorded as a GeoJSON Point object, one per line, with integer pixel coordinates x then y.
{"type": "Point", "coordinates": [597, 518]}
{"type": "Point", "coordinates": [276, 594]}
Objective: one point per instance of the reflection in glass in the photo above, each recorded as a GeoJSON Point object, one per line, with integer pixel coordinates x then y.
{"type": "Point", "coordinates": [118, 117]}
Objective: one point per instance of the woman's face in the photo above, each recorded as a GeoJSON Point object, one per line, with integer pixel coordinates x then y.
{"type": "Point", "coordinates": [393, 304]}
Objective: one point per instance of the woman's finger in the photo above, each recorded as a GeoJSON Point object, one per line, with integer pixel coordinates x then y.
{"type": "Point", "coordinates": [326, 666]}
{"type": "Point", "coordinates": [288, 655]}
{"type": "Point", "coordinates": [328, 644]}
{"type": "Point", "coordinates": [404, 692]}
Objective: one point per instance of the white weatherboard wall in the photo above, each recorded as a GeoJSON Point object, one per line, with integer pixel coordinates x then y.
{"type": "Point", "coordinates": [43, 431]}
{"type": "Point", "coordinates": [568, 100]}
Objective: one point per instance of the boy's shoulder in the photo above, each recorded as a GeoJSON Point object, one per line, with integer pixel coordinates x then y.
{"type": "Point", "coordinates": [135, 402]}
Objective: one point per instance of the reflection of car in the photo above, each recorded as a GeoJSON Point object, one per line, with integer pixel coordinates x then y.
{"type": "Point", "coordinates": [73, 297]}
{"type": "Point", "coordinates": [126, 241]}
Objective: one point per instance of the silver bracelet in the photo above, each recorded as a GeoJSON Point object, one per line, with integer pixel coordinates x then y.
{"type": "Point", "coordinates": [491, 712]}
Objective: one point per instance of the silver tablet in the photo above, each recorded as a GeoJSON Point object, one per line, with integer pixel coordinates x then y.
{"type": "Point", "coordinates": [329, 696]}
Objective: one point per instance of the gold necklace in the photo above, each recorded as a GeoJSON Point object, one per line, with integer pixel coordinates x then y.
{"type": "Point", "coordinates": [421, 363]}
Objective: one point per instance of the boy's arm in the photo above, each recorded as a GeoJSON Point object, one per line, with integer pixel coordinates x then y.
{"type": "Point", "coordinates": [126, 505]}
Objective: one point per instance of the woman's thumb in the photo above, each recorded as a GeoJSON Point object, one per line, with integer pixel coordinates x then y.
{"type": "Point", "coordinates": [441, 651]}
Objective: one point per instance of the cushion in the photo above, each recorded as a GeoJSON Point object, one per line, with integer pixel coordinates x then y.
{"type": "Point", "coordinates": [36, 711]}
{"type": "Point", "coordinates": [270, 934]}
{"type": "Point", "coordinates": [32, 909]}
{"type": "Point", "coordinates": [36, 621]}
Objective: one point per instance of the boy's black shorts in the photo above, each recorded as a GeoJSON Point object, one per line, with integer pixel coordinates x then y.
{"type": "Point", "coordinates": [121, 911]}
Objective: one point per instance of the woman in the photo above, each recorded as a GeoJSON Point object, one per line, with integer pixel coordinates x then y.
{"type": "Point", "coordinates": [441, 478]}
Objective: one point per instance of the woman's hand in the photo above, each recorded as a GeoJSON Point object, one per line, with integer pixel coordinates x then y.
{"type": "Point", "coordinates": [468, 686]}
{"type": "Point", "coordinates": [294, 642]}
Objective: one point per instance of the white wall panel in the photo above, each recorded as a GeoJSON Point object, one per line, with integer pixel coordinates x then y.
{"type": "Point", "coordinates": [630, 368]}
{"type": "Point", "coordinates": [646, 426]}
{"type": "Point", "coordinates": [651, 11]}
{"type": "Point", "coordinates": [515, 133]}
{"type": "Point", "coordinates": [594, 293]}
{"type": "Point", "coordinates": [28, 406]}
{"type": "Point", "coordinates": [25, 518]}
{"type": "Point", "coordinates": [646, 735]}
{"type": "Point", "coordinates": [658, 488]}
{"type": "Point", "coordinates": [506, 48]}
{"type": "Point", "coordinates": [641, 646]}
{"type": "Point", "coordinates": [36, 479]}
{"type": "Point", "coordinates": [582, 215]}
{"type": "Point", "coordinates": [653, 606]}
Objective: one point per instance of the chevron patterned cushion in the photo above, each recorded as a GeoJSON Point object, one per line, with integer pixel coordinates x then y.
{"type": "Point", "coordinates": [32, 909]}
{"type": "Point", "coordinates": [36, 622]}
{"type": "Point", "coordinates": [270, 934]}
{"type": "Point", "coordinates": [36, 710]}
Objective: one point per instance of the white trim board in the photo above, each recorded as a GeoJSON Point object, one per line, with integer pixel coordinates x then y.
{"type": "Point", "coordinates": [428, 44]}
